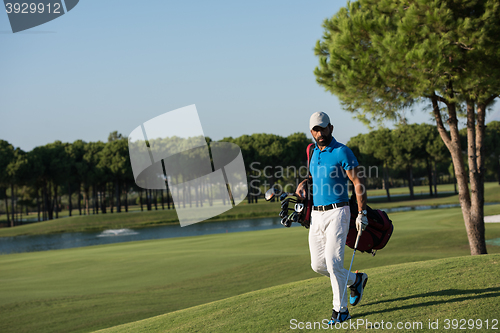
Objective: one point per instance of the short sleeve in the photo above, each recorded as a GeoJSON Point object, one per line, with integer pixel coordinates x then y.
{"type": "Point", "coordinates": [347, 158]}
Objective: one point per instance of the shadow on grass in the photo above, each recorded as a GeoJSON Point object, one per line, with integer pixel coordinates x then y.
{"type": "Point", "coordinates": [474, 294]}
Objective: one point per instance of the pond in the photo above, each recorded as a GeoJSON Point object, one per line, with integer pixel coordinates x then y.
{"type": "Point", "coordinates": [21, 244]}
{"type": "Point", "coordinates": [427, 207]}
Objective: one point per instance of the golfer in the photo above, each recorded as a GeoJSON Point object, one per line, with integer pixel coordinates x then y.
{"type": "Point", "coordinates": [332, 165]}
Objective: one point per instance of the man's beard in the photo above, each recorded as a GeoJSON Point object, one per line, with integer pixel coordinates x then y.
{"type": "Point", "coordinates": [326, 141]}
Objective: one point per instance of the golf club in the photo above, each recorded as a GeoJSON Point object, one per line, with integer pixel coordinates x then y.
{"type": "Point", "coordinates": [271, 193]}
{"type": "Point", "coordinates": [286, 222]}
{"type": "Point", "coordinates": [284, 204]}
{"type": "Point", "coordinates": [283, 196]}
{"type": "Point", "coordinates": [360, 231]}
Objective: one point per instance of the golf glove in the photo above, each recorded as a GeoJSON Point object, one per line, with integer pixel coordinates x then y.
{"type": "Point", "coordinates": [361, 222]}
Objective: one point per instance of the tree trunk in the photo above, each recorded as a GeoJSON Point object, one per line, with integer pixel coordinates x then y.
{"type": "Point", "coordinates": [102, 199]}
{"type": "Point", "coordinates": [386, 182]}
{"type": "Point", "coordinates": [86, 194]}
{"type": "Point", "coordinates": [110, 196]}
{"type": "Point", "coordinates": [56, 204]}
{"type": "Point", "coordinates": [168, 197]}
{"type": "Point", "coordinates": [80, 198]}
{"type": "Point", "coordinates": [498, 169]}
{"type": "Point", "coordinates": [148, 200]}
{"type": "Point", "coordinates": [12, 222]}
{"type": "Point", "coordinates": [184, 195]}
{"type": "Point", "coordinates": [38, 203]}
{"type": "Point", "coordinates": [455, 182]}
{"type": "Point", "coordinates": [434, 179]}
{"type": "Point", "coordinates": [250, 192]}
{"type": "Point", "coordinates": [70, 205]}
{"type": "Point", "coordinates": [429, 175]}
{"type": "Point", "coordinates": [210, 194]}
{"type": "Point", "coordinates": [44, 198]}
{"type": "Point", "coordinates": [6, 200]}
{"type": "Point", "coordinates": [126, 198]}
{"type": "Point", "coordinates": [96, 199]}
{"type": "Point", "coordinates": [140, 200]}
{"type": "Point", "coordinates": [118, 201]}
{"type": "Point", "coordinates": [410, 181]}
{"type": "Point", "coordinates": [199, 194]}
{"type": "Point", "coordinates": [162, 200]}
{"type": "Point", "coordinates": [50, 204]}
{"type": "Point", "coordinates": [156, 199]}
{"type": "Point", "coordinates": [472, 210]}
{"type": "Point", "coordinates": [475, 139]}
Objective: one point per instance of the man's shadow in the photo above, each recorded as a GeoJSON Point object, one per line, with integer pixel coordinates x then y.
{"type": "Point", "coordinates": [462, 295]}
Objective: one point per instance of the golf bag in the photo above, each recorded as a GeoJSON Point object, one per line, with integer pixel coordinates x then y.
{"type": "Point", "coordinates": [308, 203]}
{"type": "Point", "coordinates": [377, 233]}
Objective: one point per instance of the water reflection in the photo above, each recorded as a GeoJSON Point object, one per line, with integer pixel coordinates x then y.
{"type": "Point", "coordinates": [427, 207]}
{"type": "Point", "coordinates": [21, 244]}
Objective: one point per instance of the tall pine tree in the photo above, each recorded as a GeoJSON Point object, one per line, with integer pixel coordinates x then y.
{"type": "Point", "coordinates": [382, 56]}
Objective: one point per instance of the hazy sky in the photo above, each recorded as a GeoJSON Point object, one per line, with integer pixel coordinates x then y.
{"type": "Point", "coordinates": [112, 65]}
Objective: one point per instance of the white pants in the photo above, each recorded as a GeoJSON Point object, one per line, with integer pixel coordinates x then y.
{"type": "Point", "coordinates": [327, 235]}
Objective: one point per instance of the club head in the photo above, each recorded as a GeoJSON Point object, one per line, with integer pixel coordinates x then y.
{"type": "Point", "coordinates": [299, 207]}
{"type": "Point", "coordinates": [294, 217]}
{"type": "Point", "coordinates": [286, 222]}
{"type": "Point", "coordinates": [284, 204]}
{"type": "Point", "coordinates": [284, 213]}
{"type": "Point", "coordinates": [283, 196]}
{"type": "Point", "coordinates": [271, 193]}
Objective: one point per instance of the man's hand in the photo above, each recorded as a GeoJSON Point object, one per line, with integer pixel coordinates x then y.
{"type": "Point", "coordinates": [361, 222]}
{"type": "Point", "coordinates": [302, 189]}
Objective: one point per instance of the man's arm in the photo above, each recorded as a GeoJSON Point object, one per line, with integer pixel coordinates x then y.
{"type": "Point", "coordinates": [359, 187]}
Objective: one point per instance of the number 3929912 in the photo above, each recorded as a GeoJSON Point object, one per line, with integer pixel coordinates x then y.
{"type": "Point", "coordinates": [32, 8]}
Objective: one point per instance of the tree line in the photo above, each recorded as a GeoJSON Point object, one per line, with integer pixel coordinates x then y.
{"type": "Point", "coordinates": [417, 151]}
{"type": "Point", "coordinates": [99, 176]}
{"type": "Point", "coordinates": [99, 173]}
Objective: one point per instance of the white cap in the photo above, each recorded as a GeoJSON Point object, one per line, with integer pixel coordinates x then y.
{"type": "Point", "coordinates": [320, 119]}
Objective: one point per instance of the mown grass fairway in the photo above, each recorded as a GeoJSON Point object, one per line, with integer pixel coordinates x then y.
{"type": "Point", "coordinates": [85, 289]}
{"type": "Point", "coordinates": [409, 296]}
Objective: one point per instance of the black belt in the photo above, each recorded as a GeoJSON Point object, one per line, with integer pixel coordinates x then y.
{"type": "Point", "coordinates": [332, 206]}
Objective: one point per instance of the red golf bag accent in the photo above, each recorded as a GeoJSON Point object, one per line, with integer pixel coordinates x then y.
{"type": "Point", "coordinates": [309, 200]}
{"type": "Point", "coordinates": [377, 233]}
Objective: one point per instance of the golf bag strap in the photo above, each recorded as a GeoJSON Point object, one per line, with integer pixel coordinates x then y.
{"type": "Point", "coordinates": [309, 205]}
{"type": "Point", "coordinates": [310, 148]}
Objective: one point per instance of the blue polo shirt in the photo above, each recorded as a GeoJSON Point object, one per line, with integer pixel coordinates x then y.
{"type": "Point", "coordinates": [330, 182]}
